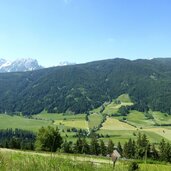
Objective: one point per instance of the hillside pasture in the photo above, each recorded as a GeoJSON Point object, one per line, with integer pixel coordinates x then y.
{"type": "Point", "coordinates": [123, 135]}
{"type": "Point", "coordinates": [120, 132]}
{"type": "Point", "coordinates": [115, 124]}
{"type": "Point", "coordinates": [94, 120]}
{"type": "Point", "coordinates": [161, 118]}
{"type": "Point", "coordinates": [58, 116]}
{"type": "Point", "coordinates": [138, 119]}
{"type": "Point", "coordinates": [20, 122]}
{"type": "Point", "coordinates": [113, 107]}
{"type": "Point", "coordinates": [116, 135]}
{"type": "Point", "coordinates": [124, 98]}
{"type": "Point", "coordinates": [163, 132]}
{"type": "Point", "coordinates": [80, 124]}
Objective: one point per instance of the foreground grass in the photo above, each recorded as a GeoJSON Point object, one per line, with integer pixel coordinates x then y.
{"type": "Point", "coordinates": [11, 160]}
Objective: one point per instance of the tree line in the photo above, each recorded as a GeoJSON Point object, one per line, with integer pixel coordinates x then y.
{"type": "Point", "coordinates": [17, 139]}
{"type": "Point", "coordinates": [49, 139]}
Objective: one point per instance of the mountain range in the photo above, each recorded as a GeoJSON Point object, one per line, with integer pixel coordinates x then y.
{"type": "Point", "coordinates": [83, 87]}
{"type": "Point", "coordinates": [27, 64]}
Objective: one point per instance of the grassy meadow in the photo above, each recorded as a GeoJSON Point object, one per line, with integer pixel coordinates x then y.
{"type": "Point", "coordinates": [113, 107]}
{"type": "Point", "coordinates": [138, 119]}
{"type": "Point", "coordinates": [112, 128]}
{"type": "Point", "coordinates": [7, 121]}
{"type": "Point", "coordinates": [12, 160]}
{"type": "Point", "coordinates": [114, 124]}
{"type": "Point", "coordinates": [94, 120]}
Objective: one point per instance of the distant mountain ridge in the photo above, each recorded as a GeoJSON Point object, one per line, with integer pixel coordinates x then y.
{"type": "Point", "coordinates": [83, 87]}
{"type": "Point", "coordinates": [24, 64]}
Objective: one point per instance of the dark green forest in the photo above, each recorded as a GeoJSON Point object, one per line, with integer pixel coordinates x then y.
{"type": "Point", "coordinates": [17, 139]}
{"type": "Point", "coordinates": [80, 88]}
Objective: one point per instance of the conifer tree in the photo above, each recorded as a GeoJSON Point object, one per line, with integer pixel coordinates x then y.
{"type": "Point", "coordinates": [154, 154]}
{"type": "Point", "coordinates": [110, 147]}
{"type": "Point", "coordinates": [94, 146]}
{"type": "Point", "coordinates": [66, 147]}
{"type": "Point", "coordinates": [162, 147]}
{"type": "Point", "coordinates": [78, 146]}
{"type": "Point", "coordinates": [119, 148]}
{"type": "Point", "coordinates": [103, 149]}
{"type": "Point", "coordinates": [85, 147]}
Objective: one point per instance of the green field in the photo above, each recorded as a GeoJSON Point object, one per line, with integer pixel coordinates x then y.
{"type": "Point", "coordinates": [138, 119]}
{"type": "Point", "coordinates": [122, 131]}
{"type": "Point", "coordinates": [115, 124]}
{"type": "Point", "coordinates": [113, 107]}
{"type": "Point", "coordinates": [124, 98]}
{"type": "Point", "coordinates": [13, 160]}
{"type": "Point", "coordinates": [119, 128]}
{"type": "Point", "coordinates": [161, 118]}
{"type": "Point", "coordinates": [123, 135]}
{"type": "Point", "coordinates": [72, 123]}
{"type": "Point", "coordinates": [164, 132]}
{"type": "Point", "coordinates": [7, 121]}
{"type": "Point", "coordinates": [58, 116]}
{"type": "Point", "coordinates": [94, 120]}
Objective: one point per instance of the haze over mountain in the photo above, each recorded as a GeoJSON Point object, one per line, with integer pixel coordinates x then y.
{"type": "Point", "coordinates": [24, 64]}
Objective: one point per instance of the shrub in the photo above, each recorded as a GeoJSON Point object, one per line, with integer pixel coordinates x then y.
{"type": "Point", "coordinates": [133, 166]}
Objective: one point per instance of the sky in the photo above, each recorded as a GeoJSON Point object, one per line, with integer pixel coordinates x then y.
{"type": "Point", "coordinates": [80, 31]}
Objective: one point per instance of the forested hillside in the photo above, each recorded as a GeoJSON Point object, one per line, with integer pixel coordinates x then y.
{"type": "Point", "coordinates": [80, 88]}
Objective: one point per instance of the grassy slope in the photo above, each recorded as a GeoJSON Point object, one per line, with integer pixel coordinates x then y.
{"type": "Point", "coordinates": [113, 107]}
{"type": "Point", "coordinates": [20, 122]}
{"type": "Point", "coordinates": [138, 119]}
{"type": "Point", "coordinates": [73, 123]}
{"type": "Point", "coordinates": [115, 124]}
{"type": "Point", "coordinates": [58, 116]}
{"type": "Point", "coordinates": [124, 98]}
{"type": "Point", "coordinates": [31, 161]}
{"type": "Point", "coordinates": [161, 118]}
{"type": "Point", "coordinates": [94, 120]}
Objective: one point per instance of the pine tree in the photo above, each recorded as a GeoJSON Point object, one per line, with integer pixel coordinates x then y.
{"type": "Point", "coordinates": [110, 147]}
{"type": "Point", "coordinates": [143, 147]}
{"type": "Point", "coordinates": [94, 146]}
{"type": "Point", "coordinates": [66, 147]}
{"type": "Point", "coordinates": [119, 148]}
{"type": "Point", "coordinates": [85, 147]}
{"type": "Point", "coordinates": [168, 152]}
{"type": "Point", "coordinates": [126, 150]}
{"type": "Point", "coordinates": [78, 146]}
{"type": "Point", "coordinates": [103, 149]}
{"type": "Point", "coordinates": [162, 147]}
{"type": "Point", "coordinates": [154, 154]}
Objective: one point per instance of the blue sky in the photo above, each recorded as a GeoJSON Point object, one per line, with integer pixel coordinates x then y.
{"type": "Point", "coordinates": [84, 30]}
